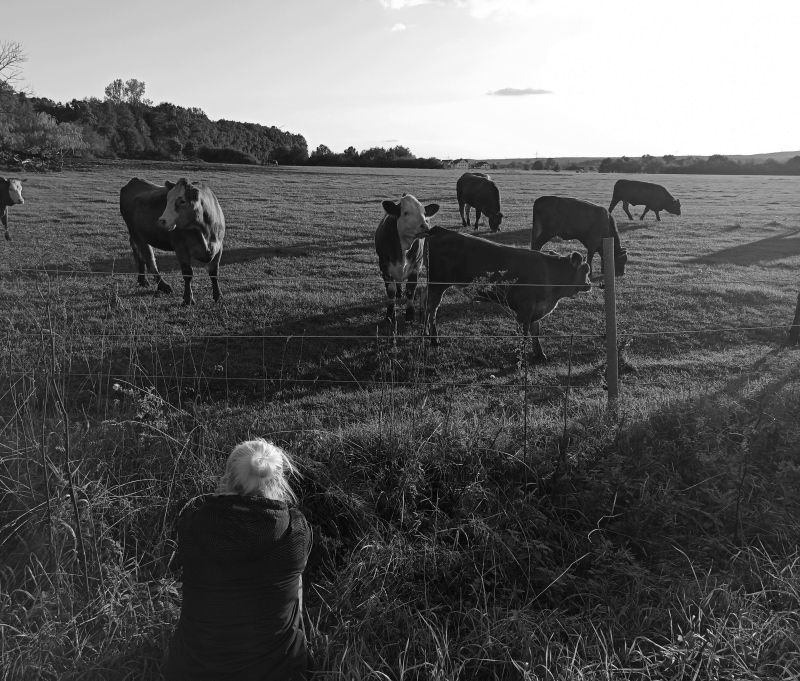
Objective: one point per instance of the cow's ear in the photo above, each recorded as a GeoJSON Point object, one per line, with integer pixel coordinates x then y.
{"type": "Point", "coordinates": [431, 209]}
{"type": "Point", "coordinates": [575, 259]}
{"type": "Point", "coordinates": [168, 184]}
{"type": "Point", "coordinates": [391, 208]}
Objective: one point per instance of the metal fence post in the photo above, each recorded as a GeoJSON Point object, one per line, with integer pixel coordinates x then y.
{"type": "Point", "coordinates": [612, 370]}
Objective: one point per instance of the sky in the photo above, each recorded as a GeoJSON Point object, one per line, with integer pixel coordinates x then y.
{"type": "Point", "coordinates": [446, 78]}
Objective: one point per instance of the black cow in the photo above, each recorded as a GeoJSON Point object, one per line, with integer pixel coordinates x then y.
{"type": "Point", "coordinates": [567, 218]}
{"type": "Point", "coordinates": [399, 249]}
{"type": "Point", "coordinates": [479, 191]}
{"type": "Point", "coordinates": [10, 195]}
{"type": "Point", "coordinates": [182, 217]}
{"type": "Point", "coordinates": [529, 282]}
{"type": "Point", "coordinates": [652, 196]}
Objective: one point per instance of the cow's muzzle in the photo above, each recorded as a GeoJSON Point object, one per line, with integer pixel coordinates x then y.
{"type": "Point", "coordinates": [163, 224]}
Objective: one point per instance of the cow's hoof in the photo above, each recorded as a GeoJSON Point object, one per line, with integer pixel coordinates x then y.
{"type": "Point", "coordinates": [8, 236]}
{"type": "Point", "coordinates": [187, 303]}
{"type": "Point", "coordinates": [164, 288]}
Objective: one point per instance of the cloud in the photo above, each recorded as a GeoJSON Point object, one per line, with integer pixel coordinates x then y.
{"type": "Point", "coordinates": [518, 92]}
{"type": "Point", "coordinates": [478, 9]}
{"type": "Point", "coordinates": [398, 27]}
{"type": "Point", "coordinates": [402, 4]}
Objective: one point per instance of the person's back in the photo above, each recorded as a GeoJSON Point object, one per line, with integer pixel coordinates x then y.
{"type": "Point", "coordinates": [243, 556]}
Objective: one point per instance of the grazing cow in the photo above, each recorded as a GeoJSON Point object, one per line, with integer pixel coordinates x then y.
{"type": "Point", "coordinates": [182, 217]}
{"type": "Point", "coordinates": [652, 196]}
{"type": "Point", "coordinates": [575, 219]}
{"type": "Point", "coordinates": [399, 249]}
{"type": "Point", "coordinates": [479, 191]}
{"type": "Point", "coordinates": [10, 195]}
{"type": "Point", "coordinates": [529, 282]}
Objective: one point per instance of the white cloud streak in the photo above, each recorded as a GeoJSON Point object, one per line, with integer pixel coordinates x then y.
{"type": "Point", "coordinates": [398, 27]}
{"type": "Point", "coordinates": [518, 92]}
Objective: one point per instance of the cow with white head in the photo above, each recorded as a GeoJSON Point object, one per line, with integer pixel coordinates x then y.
{"type": "Point", "coordinates": [10, 195]}
{"type": "Point", "coordinates": [182, 216]}
{"type": "Point", "coordinates": [399, 245]}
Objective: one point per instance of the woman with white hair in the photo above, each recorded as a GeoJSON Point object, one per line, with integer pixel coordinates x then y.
{"type": "Point", "coordinates": [243, 551]}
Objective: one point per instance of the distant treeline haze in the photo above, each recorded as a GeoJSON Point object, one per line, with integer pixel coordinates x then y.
{"type": "Point", "coordinates": [127, 125]}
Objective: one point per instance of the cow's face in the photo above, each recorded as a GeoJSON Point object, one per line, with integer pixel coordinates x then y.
{"type": "Point", "coordinates": [494, 221]}
{"type": "Point", "coordinates": [184, 207]}
{"type": "Point", "coordinates": [620, 260]}
{"type": "Point", "coordinates": [581, 271]}
{"type": "Point", "coordinates": [412, 218]}
{"type": "Point", "coordinates": [15, 191]}
{"type": "Point", "coordinates": [675, 209]}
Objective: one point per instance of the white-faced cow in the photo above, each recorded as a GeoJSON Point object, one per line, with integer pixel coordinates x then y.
{"type": "Point", "coordinates": [568, 218]}
{"type": "Point", "coordinates": [479, 191]}
{"type": "Point", "coordinates": [529, 282]}
{"type": "Point", "coordinates": [10, 195]}
{"type": "Point", "coordinates": [184, 217]}
{"type": "Point", "coordinates": [399, 249]}
{"type": "Point", "coordinates": [648, 194]}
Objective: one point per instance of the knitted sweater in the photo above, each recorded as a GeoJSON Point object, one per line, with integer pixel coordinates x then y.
{"type": "Point", "coordinates": [242, 560]}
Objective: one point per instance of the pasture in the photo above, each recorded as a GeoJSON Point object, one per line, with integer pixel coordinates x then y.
{"type": "Point", "coordinates": [476, 516]}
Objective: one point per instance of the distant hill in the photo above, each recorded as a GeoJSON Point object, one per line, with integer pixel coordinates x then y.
{"type": "Point", "coordinates": [594, 161]}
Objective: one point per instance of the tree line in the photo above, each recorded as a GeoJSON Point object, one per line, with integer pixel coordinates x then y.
{"type": "Point", "coordinates": [694, 165]}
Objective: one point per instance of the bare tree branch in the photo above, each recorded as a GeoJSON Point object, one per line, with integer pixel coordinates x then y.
{"type": "Point", "coordinates": [12, 56]}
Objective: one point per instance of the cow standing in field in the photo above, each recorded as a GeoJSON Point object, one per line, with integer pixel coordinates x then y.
{"type": "Point", "coordinates": [529, 282]}
{"type": "Point", "coordinates": [399, 248]}
{"type": "Point", "coordinates": [652, 196]}
{"type": "Point", "coordinates": [182, 217]}
{"type": "Point", "coordinates": [567, 218]}
{"type": "Point", "coordinates": [10, 195]}
{"type": "Point", "coordinates": [479, 191]}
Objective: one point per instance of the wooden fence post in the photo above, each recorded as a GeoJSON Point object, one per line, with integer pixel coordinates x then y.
{"type": "Point", "coordinates": [612, 370]}
{"type": "Point", "coordinates": [794, 331]}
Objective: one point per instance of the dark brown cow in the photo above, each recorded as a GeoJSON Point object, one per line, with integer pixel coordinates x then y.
{"type": "Point", "coordinates": [567, 218]}
{"type": "Point", "coordinates": [652, 196]}
{"type": "Point", "coordinates": [10, 195]}
{"type": "Point", "coordinates": [182, 217]}
{"type": "Point", "coordinates": [399, 249]}
{"type": "Point", "coordinates": [479, 191]}
{"type": "Point", "coordinates": [529, 282]}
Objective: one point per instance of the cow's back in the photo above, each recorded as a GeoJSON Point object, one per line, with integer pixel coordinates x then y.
{"type": "Point", "coordinates": [478, 189]}
{"type": "Point", "coordinates": [570, 218]}
{"type": "Point", "coordinates": [141, 203]}
{"type": "Point", "coordinates": [638, 192]}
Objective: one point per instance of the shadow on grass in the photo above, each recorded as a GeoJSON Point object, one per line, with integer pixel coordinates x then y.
{"type": "Point", "coordinates": [771, 248]}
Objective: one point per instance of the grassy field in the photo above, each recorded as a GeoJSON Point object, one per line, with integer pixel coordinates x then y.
{"type": "Point", "coordinates": [476, 516]}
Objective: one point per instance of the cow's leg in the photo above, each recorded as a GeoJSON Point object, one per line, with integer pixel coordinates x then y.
{"type": "Point", "coordinates": [533, 330]}
{"type": "Point", "coordinates": [184, 256]}
{"type": "Point", "coordinates": [213, 271]}
{"type": "Point", "coordinates": [613, 205]}
{"type": "Point", "coordinates": [392, 291]}
{"type": "Point", "coordinates": [658, 217]}
{"type": "Point", "coordinates": [461, 213]}
{"type": "Point", "coordinates": [432, 299]}
{"type": "Point", "coordinates": [146, 253]}
{"type": "Point", "coordinates": [137, 258]}
{"type": "Point", "coordinates": [4, 221]}
{"type": "Point", "coordinates": [644, 212]}
{"type": "Point", "coordinates": [625, 205]}
{"type": "Point", "coordinates": [477, 216]}
{"type": "Point", "coordinates": [538, 239]}
{"type": "Point", "coordinates": [411, 286]}
{"type": "Point", "coordinates": [466, 212]}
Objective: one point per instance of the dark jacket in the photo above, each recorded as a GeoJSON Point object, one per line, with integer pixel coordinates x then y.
{"type": "Point", "coordinates": [242, 560]}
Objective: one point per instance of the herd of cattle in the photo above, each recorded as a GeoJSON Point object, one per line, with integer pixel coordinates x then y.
{"type": "Point", "coordinates": [185, 217]}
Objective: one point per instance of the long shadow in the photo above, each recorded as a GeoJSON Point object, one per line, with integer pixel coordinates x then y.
{"type": "Point", "coordinates": [631, 226]}
{"type": "Point", "coordinates": [771, 248]}
{"type": "Point", "coordinates": [123, 260]}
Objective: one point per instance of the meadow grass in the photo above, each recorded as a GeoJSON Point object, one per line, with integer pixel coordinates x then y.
{"type": "Point", "coordinates": [475, 516]}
